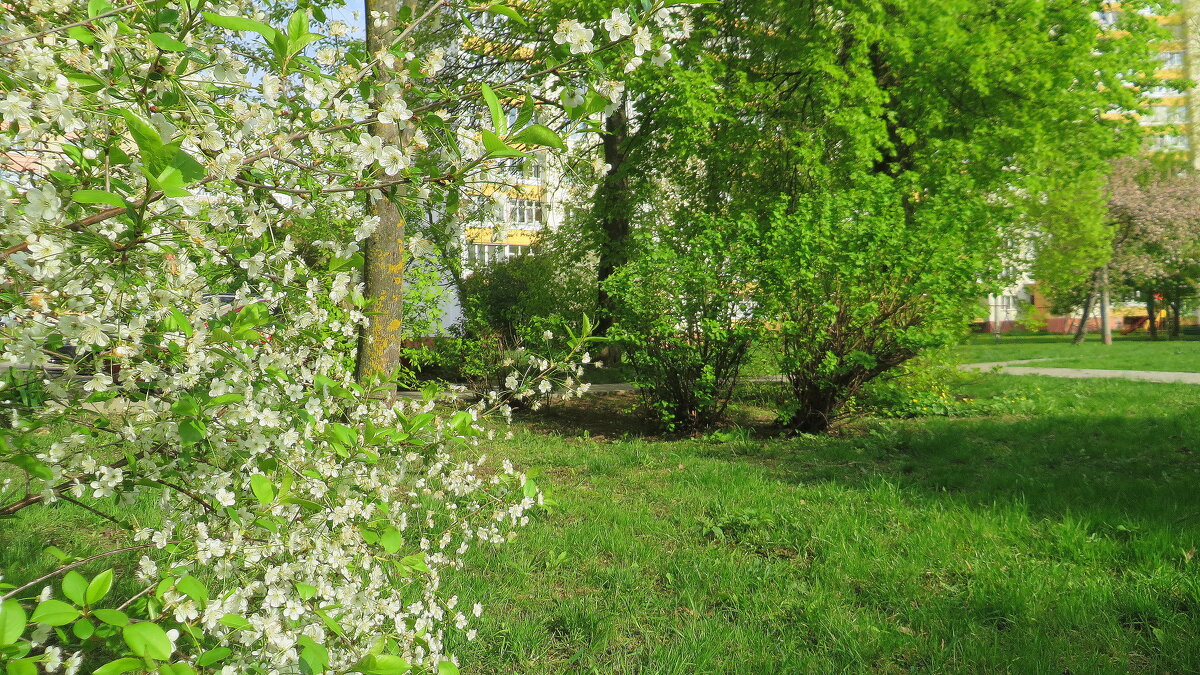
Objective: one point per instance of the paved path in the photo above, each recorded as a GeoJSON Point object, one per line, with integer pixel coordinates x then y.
{"type": "Point", "coordinates": [1012, 368]}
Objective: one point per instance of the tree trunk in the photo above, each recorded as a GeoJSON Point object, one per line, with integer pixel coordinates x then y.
{"type": "Point", "coordinates": [1105, 324]}
{"type": "Point", "coordinates": [1081, 329]}
{"type": "Point", "coordinates": [1152, 312]}
{"type": "Point", "coordinates": [816, 408]}
{"type": "Point", "coordinates": [1176, 317]}
{"type": "Point", "coordinates": [379, 346]}
{"type": "Point", "coordinates": [611, 211]}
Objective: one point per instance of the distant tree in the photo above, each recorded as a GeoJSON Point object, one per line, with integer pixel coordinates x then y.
{"type": "Point", "coordinates": [1070, 238]}
{"type": "Point", "coordinates": [1155, 214]}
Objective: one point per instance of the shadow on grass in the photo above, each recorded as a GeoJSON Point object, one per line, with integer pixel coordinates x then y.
{"type": "Point", "coordinates": [619, 416]}
{"type": "Point", "coordinates": [1123, 471]}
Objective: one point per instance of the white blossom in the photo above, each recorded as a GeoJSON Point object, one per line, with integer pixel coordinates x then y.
{"type": "Point", "coordinates": [618, 25]}
{"type": "Point", "coordinates": [576, 35]}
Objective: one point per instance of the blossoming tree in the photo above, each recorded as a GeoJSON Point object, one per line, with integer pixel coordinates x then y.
{"type": "Point", "coordinates": [156, 158]}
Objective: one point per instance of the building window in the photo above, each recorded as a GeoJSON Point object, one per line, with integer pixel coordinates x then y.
{"type": "Point", "coordinates": [1165, 114]}
{"type": "Point", "coordinates": [1171, 60]}
{"type": "Point", "coordinates": [516, 168]}
{"type": "Point", "coordinates": [1163, 92]}
{"type": "Point", "coordinates": [479, 255]}
{"type": "Point", "coordinates": [527, 212]}
{"type": "Point", "coordinates": [1169, 143]}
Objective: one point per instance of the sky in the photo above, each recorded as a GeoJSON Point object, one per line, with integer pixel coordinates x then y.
{"type": "Point", "coordinates": [345, 13]}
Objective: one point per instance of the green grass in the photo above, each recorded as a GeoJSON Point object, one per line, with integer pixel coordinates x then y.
{"type": "Point", "coordinates": [77, 533]}
{"type": "Point", "coordinates": [1126, 353]}
{"type": "Point", "coordinates": [1056, 542]}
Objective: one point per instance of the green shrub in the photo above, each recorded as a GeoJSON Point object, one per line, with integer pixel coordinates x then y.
{"type": "Point", "coordinates": [683, 320]}
{"type": "Point", "coordinates": [921, 387]}
{"type": "Point", "coordinates": [523, 296]}
{"type": "Point", "coordinates": [861, 281]}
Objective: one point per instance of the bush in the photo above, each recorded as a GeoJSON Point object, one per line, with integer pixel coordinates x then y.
{"type": "Point", "coordinates": [919, 388]}
{"type": "Point", "coordinates": [683, 319]}
{"type": "Point", "coordinates": [863, 281]}
{"type": "Point", "coordinates": [524, 296]}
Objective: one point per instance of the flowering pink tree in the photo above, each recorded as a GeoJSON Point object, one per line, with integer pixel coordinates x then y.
{"type": "Point", "coordinates": [155, 154]}
{"type": "Point", "coordinates": [1156, 247]}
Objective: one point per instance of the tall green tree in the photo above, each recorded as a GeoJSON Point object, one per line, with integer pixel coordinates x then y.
{"type": "Point", "coordinates": [945, 114]}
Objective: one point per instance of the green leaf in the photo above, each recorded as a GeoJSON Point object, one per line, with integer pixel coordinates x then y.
{"type": "Point", "coordinates": [33, 466]}
{"type": "Point", "coordinates": [125, 665]}
{"type": "Point", "coordinates": [304, 504]}
{"type": "Point", "coordinates": [331, 623]}
{"type": "Point", "coordinates": [391, 539]}
{"type": "Point", "coordinates": [526, 114]}
{"type": "Point", "coordinates": [343, 434]}
{"type": "Point", "coordinates": [499, 123]}
{"type": "Point", "coordinates": [213, 656]}
{"type": "Point", "coordinates": [263, 490]}
{"type": "Point", "coordinates": [98, 7]}
{"type": "Point", "coordinates": [447, 668]}
{"type": "Point", "coordinates": [12, 622]}
{"type": "Point", "coordinates": [26, 666]}
{"type": "Point", "coordinates": [498, 148]}
{"type": "Point", "coordinates": [227, 398]}
{"type": "Point", "coordinates": [112, 617]}
{"type": "Point", "coordinates": [298, 23]}
{"type": "Point", "coordinates": [56, 552]}
{"type": "Point", "coordinates": [192, 431]}
{"type": "Point", "coordinates": [147, 639]}
{"type": "Point", "coordinates": [296, 45]}
{"type": "Point", "coordinates": [537, 134]}
{"type": "Point", "coordinates": [305, 591]}
{"type": "Point", "coordinates": [74, 586]}
{"type": "Point", "coordinates": [83, 628]}
{"type": "Point", "coordinates": [148, 140]}
{"type": "Point", "coordinates": [190, 169]}
{"type": "Point", "coordinates": [193, 588]}
{"type": "Point", "coordinates": [178, 321]}
{"type": "Point", "coordinates": [242, 24]}
{"type": "Point", "coordinates": [415, 561]}
{"type": "Point", "coordinates": [505, 10]}
{"type": "Point", "coordinates": [81, 34]}
{"type": "Point", "coordinates": [314, 658]}
{"type": "Point", "coordinates": [234, 621]}
{"type": "Point", "coordinates": [171, 182]}
{"type": "Point", "coordinates": [382, 664]}
{"type": "Point", "coordinates": [167, 43]}
{"type": "Point", "coordinates": [186, 406]}
{"type": "Point", "coordinates": [88, 83]}
{"type": "Point", "coordinates": [54, 613]}
{"type": "Point", "coordinates": [97, 197]}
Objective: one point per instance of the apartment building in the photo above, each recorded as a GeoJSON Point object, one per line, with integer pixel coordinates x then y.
{"type": "Point", "coordinates": [523, 199]}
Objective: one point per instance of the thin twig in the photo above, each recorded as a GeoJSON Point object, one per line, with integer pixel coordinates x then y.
{"type": "Point", "coordinates": [72, 566]}
{"type": "Point", "coordinates": [69, 26]}
{"type": "Point", "coordinates": [76, 502]}
{"type": "Point", "coordinates": [142, 592]}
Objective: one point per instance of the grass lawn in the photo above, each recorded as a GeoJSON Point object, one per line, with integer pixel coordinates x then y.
{"type": "Point", "coordinates": [1126, 353]}
{"type": "Point", "coordinates": [1056, 541]}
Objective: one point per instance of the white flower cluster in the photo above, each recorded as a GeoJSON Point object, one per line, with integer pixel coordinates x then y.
{"type": "Point", "coordinates": [150, 188]}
